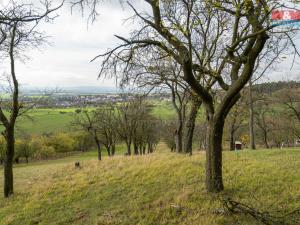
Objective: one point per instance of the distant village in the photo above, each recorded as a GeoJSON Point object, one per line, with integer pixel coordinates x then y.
{"type": "Point", "coordinates": [63, 100]}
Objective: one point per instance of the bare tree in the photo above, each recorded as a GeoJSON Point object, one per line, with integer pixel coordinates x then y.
{"type": "Point", "coordinates": [235, 119]}
{"type": "Point", "coordinates": [263, 119]}
{"type": "Point", "coordinates": [213, 54]}
{"type": "Point", "coordinates": [88, 121]}
{"type": "Point", "coordinates": [18, 24]}
{"type": "Point", "coordinates": [107, 126]}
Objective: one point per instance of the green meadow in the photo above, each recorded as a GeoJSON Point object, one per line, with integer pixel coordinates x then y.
{"type": "Point", "coordinates": [49, 120]}
{"type": "Point", "coordinates": [39, 121]}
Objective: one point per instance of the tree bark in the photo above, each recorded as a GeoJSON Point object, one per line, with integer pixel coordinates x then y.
{"type": "Point", "coordinates": [108, 150]}
{"type": "Point", "coordinates": [8, 162]}
{"type": "Point", "coordinates": [113, 149]}
{"type": "Point", "coordinates": [136, 148]}
{"type": "Point", "coordinates": [128, 144]}
{"type": "Point", "coordinates": [144, 149]}
{"type": "Point", "coordinates": [266, 139]}
{"type": "Point", "coordinates": [188, 144]}
{"type": "Point", "coordinates": [251, 118]}
{"type": "Point", "coordinates": [178, 139]}
{"type": "Point", "coordinates": [98, 148]}
{"type": "Point", "coordinates": [214, 181]}
{"type": "Point", "coordinates": [232, 141]}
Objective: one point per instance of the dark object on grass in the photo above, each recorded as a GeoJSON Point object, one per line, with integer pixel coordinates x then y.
{"type": "Point", "coordinates": [77, 165]}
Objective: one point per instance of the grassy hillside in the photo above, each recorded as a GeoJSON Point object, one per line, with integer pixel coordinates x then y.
{"type": "Point", "coordinates": [161, 188]}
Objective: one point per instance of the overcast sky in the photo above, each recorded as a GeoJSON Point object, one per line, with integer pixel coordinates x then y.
{"type": "Point", "coordinates": [66, 61]}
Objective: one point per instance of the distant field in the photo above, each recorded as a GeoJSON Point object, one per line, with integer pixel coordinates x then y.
{"type": "Point", "coordinates": [39, 121]}
{"type": "Point", "coordinates": [49, 120]}
{"type": "Point", "coordinates": [163, 110]}
{"type": "Point", "coordinates": [162, 188]}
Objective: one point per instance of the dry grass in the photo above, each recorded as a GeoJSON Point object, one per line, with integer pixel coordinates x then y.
{"type": "Point", "coordinates": [161, 188]}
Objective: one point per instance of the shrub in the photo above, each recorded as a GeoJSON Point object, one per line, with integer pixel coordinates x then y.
{"type": "Point", "coordinates": [82, 141]}
{"type": "Point", "coordinates": [61, 142]}
{"type": "Point", "coordinates": [45, 152]}
{"type": "Point", "coordinates": [23, 149]}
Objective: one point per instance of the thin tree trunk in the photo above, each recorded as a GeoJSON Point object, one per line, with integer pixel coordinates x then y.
{"type": "Point", "coordinates": [232, 141]}
{"type": "Point", "coordinates": [10, 124]}
{"type": "Point", "coordinates": [113, 149]}
{"type": "Point", "coordinates": [128, 144]}
{"type": "Point", "coordinates": [150, 148]}
{"type": "Point", "coordinates": [144, 149]}
{"type": "Point", "coordinates": [136, 148]}
{"type": "Point", "coordinates": [266, 139]}
{"type": "Point", "coordinates": [190, 125]}
{"type": "Point", "coordinates": [251, 118]}
{"type": "Point", "coordinates": [98, 148]}
{"type": "Point", "coordinates": [178, 139]}
{"type": "Point", "coordinates": [108, 151]}
{"type": "Point", "coordinates": [8, 162]}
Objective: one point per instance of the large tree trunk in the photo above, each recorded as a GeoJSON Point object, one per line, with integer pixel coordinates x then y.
{"type": "Point", "coordinates": [214, 181]}
{"type": "Point", "coordinates": [8, 162]}
{"type": "Point", "coordinates": [251, 118]}
{"type": "Point", "coordinates": [190, 125]}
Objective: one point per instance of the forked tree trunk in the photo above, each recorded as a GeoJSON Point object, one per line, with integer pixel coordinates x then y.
{"type": "Point", "coordinates": [188, 144]}
{"type": "Point", "coordinates": [214, 181]}
{"type": "Point", "coordinates": [8, 162]}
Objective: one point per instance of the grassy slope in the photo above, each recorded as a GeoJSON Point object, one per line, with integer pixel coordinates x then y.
{"type": "Point", "coordinates": [143, 190]}
{"type": "Point", "coordinates": [40, 121]}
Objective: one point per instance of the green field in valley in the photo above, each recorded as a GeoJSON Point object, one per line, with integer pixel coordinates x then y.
{"type": "Point", "coordinates": [49, 120]}
{"type": "Point", "coordinates": [161, 188]}
{"type": "Point", "coordinates": [40, 121]}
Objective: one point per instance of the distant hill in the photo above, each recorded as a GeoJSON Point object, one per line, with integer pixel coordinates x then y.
{"type": "Point", "coordinates": [269, 88]}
